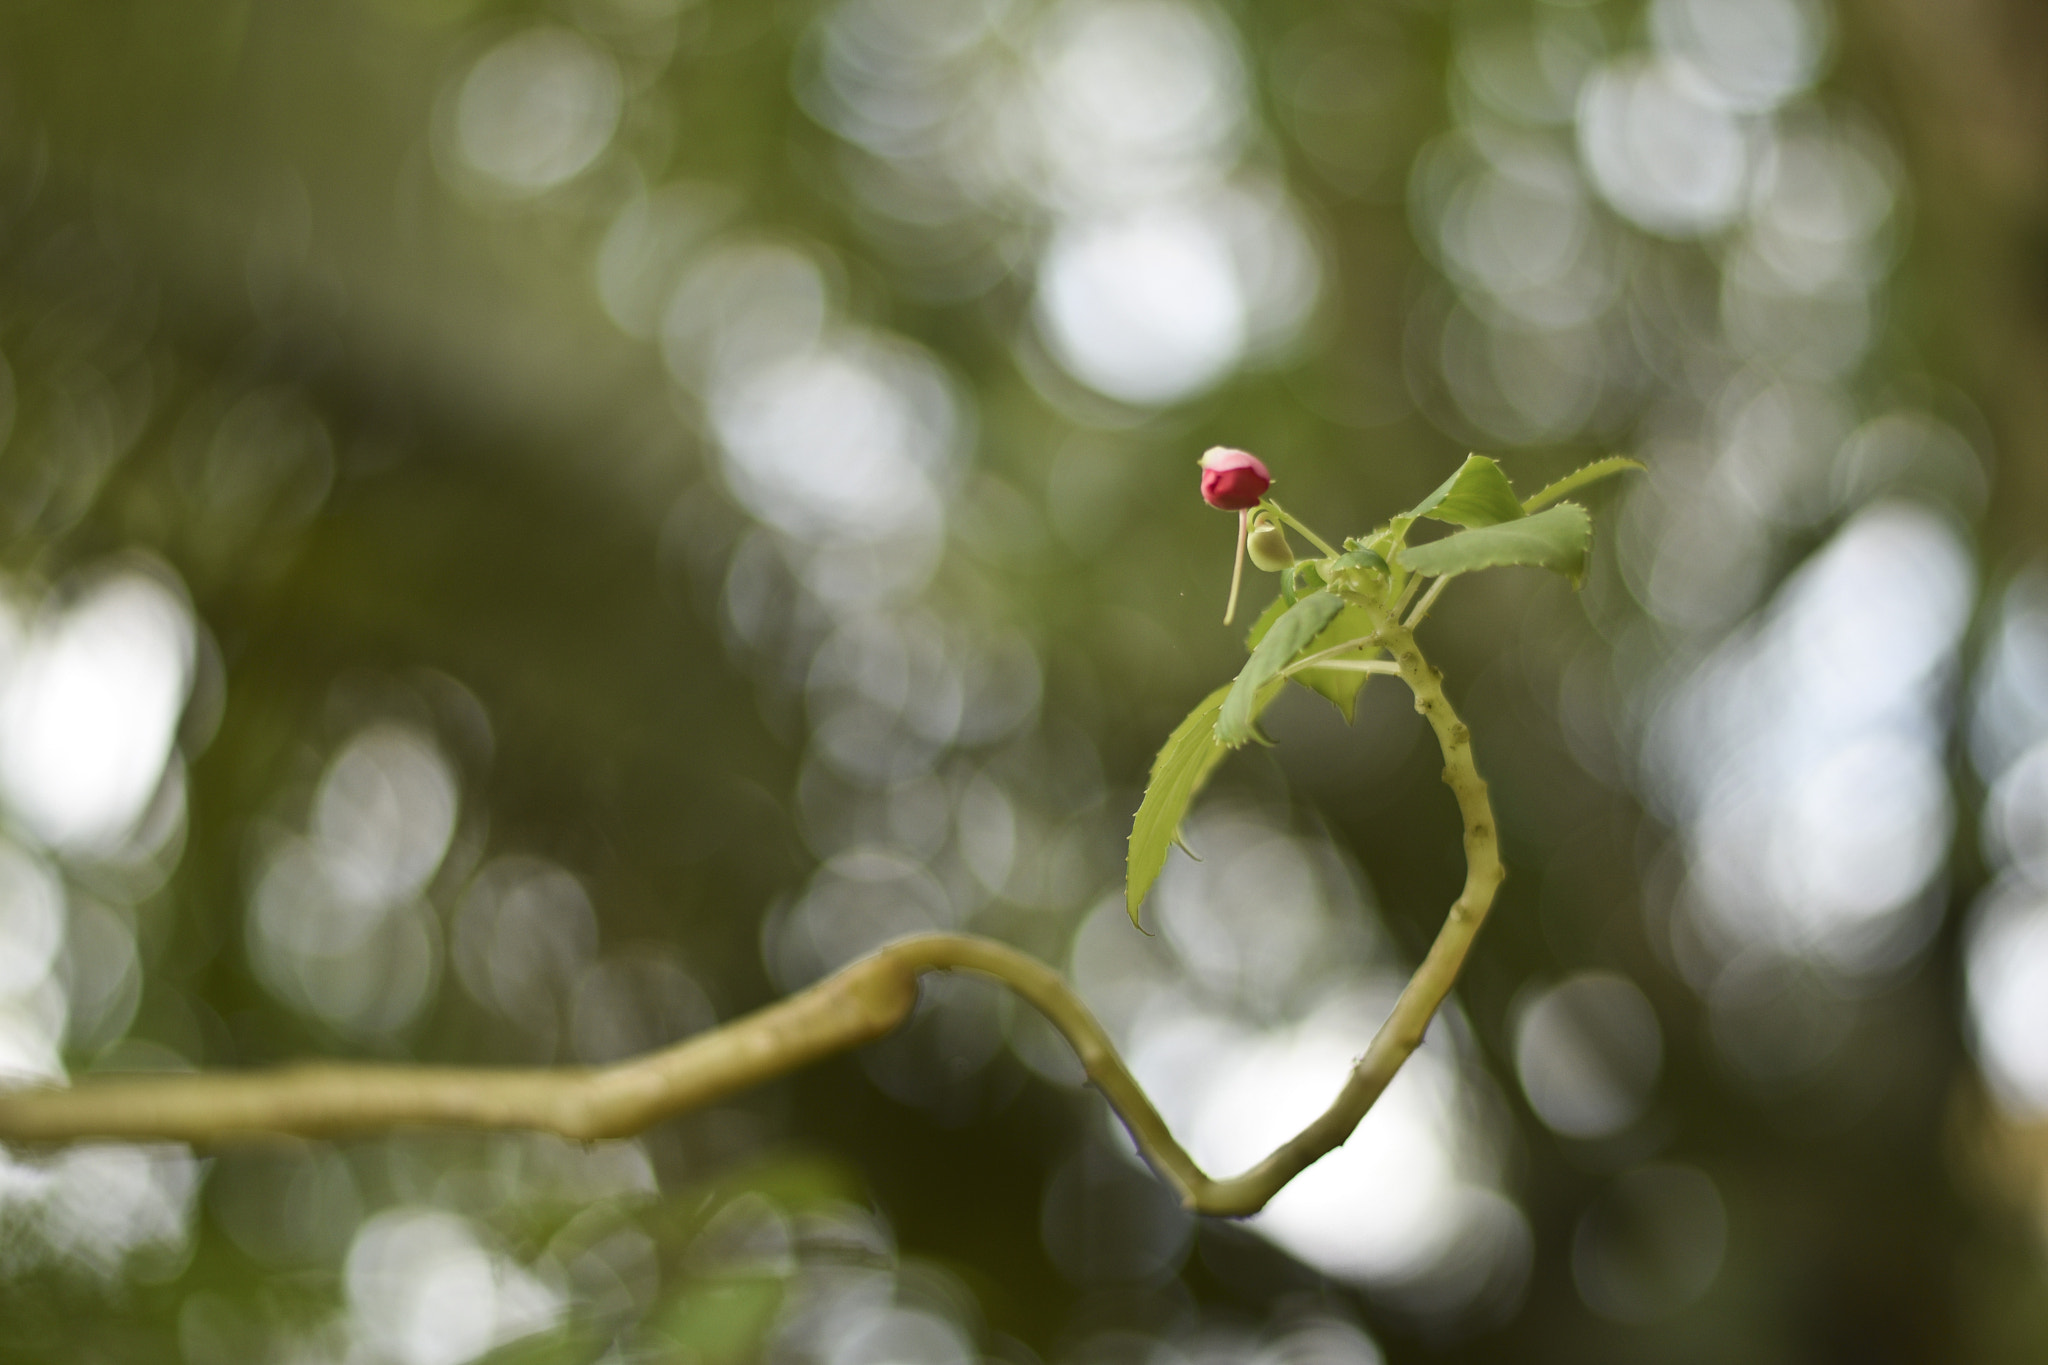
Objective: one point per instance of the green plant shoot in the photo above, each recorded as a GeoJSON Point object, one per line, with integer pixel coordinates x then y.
{"type": "Point", "coordinates": [1335, 618]}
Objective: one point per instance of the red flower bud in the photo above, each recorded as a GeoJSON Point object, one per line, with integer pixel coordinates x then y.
{"type": "Point", "coordinates": [1233, 479]}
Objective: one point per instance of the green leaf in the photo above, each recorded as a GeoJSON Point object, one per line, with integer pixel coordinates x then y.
{"type": "Point", "coordinates": [1579, 478]}
{"type": "Point", "coordinates": [1361, 558]}
{"type": "Point", "coordinates": [1286, 638]}
{"type": "Point", "coordinates": [1555, 540]}
{"type": "Point", "coordinates": [1275, 609]}
{"type": "Point", "coordinates": [1477, 495]}
{"type": "Point", "coordinates": [1190, 754]}
{"type": "Point", "coordinates": [1340, 685]}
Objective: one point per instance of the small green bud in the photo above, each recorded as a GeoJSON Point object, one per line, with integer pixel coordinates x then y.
{"type": "Point", "coordinates": [1267, 545]}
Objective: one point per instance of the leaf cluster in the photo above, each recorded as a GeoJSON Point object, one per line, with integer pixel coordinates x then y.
{"type": "Point", "coordinates": [1324, 629]}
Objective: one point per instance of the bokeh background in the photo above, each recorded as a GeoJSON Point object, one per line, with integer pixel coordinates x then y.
{"type": "Point", "coordinates": [526, 530]}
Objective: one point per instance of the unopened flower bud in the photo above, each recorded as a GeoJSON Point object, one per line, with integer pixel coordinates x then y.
{"type": "Point", "coordinates": [1267, 545]}
{"type": "Point", "coordinates": [1233, 480]}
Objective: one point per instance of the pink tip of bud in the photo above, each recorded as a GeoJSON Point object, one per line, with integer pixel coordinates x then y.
{"type": "Point", "coordinates": [1233, 479]}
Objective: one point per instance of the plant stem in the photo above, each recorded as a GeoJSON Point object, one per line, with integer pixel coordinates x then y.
{"type": "Point", "coordinates": [1277, 510]}
{"type": "Point", "coordinates": [1244, 526]}
{"type": "Point", "coordinates": [1431, 982]}
{"type": "Point", "coordinates": [1428, 601]}
{"type": "Point", "coordinates": [1362, 642]}
{"type": "Point", "coordinates": [859, 1003]}
{"type": "Point", "coordinates": [1407, 596]}
{"type": "Point", "coordinates": [1347, 666]}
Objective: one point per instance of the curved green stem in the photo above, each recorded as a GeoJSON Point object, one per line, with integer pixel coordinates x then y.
{"type": "Point", "coordinates": [1380, 666]}
{"type": "Point", "coordinates": [1407, 595]}
{"type": "Point", "coordinates": [1428, 600]}
{"type": "Point", "coordinates": [859, 1003]}
{"type": "Point", "coordinates": [1244, 524]}
{"type": "Point", "coordinates": [1323, 655]}
{"type": "Point", "coordinates": [1431, 982]}
{"type": "Point", "coordinates": [1277, 510]}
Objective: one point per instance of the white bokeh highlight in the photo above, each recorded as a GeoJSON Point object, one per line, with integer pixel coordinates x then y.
{"type": "Point", "coordinates": [2006, 948]}
{"type": "Point", "coordinates": [536, 110]}
{"type": "Point", "coordinates": [1750, 55]}
{"type": "Point", "coordinates": [338, 927]}
{"type": "Point", "coordinates": [2007, 965]}
{"type": "Point", "coordinates": [423, 1289]}
{"type": "Point", "coordinates": [1804, 758]}
{"type": "Point", "coordinates": [1588, 1052]}
{"type": "Point", "coordinates": [89, 709]}
{"type": "Point", "coordinates": [1664, 152]}
{"type": "Point", "coordinates": [1107, 139]}
{"type": "Point", "coordinates": [1146, 308]}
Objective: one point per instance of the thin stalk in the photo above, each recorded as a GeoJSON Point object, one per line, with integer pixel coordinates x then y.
{"type": "Point", "coordinates": [1407, 596]}
{"type": "Point", "coordinates": [1362, 642]}
{"type": "Point", "coordinates": [1244, 530]}
{"type": "Point", "coordinates": [1277, 510]}
{"type": "Point", "coordinates": [1428, 601]}
{"type": "Point", "coordinates": [859, 1003]}
{"type": "Point", "coordinates": [1346, 666]}
{"type": "Point", "coordinates": [1431, 982]}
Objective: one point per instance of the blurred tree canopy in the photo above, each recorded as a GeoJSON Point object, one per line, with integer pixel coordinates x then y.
{"type": "Point", "coordinates": [526, 530]}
